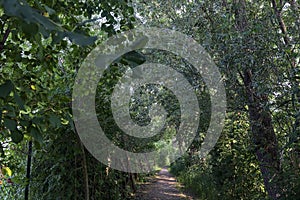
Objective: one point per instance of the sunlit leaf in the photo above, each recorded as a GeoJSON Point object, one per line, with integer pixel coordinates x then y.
{"type": "Point", "coordinates": [6, 171]}
{"type": "Point", "coordinates": [33, 87]}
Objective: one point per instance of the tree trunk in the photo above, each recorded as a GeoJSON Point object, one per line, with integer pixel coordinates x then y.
{"type": "Point", "coordinates": [85, 172]}
{"type": "Point", "coordinates": [28, 170]}
{"type": "Point", "coordinates": [264, 138]}
{"type": "Point", "coordinates": [84, 168]}
{"type": "Point", "coordinates": [263, 134]}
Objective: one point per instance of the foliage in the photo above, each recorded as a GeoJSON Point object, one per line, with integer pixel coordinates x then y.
{"type": "Point", "coordinates": [233, 170]}
{"type": "Point", "coordinates": [42, 47]}
{"type": "Point", "coordinates": [43, 43]}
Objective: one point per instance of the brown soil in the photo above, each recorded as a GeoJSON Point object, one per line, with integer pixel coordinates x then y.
{"type": "Point", "coordinates": [162, 187]}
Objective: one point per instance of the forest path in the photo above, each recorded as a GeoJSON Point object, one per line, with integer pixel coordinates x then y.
{"type": "Point", "coordinates": [162, 187]}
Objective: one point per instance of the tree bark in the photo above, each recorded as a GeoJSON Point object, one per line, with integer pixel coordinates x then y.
{"type": "Point", "coordinates": [5, 36]}
{"type": "Point", "coordinates": [84, 168]}
{"type": "Point", "coordinates": [281, 22]}
{"type": "Point", "coordinates": [85, 172]}
{"type": "Point", "coordinates": [28, 170]}
{"type": "Point", "coordinates": [263, 134]}
{"type": "Point", "coordinates": [264, 138]}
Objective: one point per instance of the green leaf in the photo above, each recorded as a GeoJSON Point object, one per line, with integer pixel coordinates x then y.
{"type": "Point", "coordinates": [30, 15]}
{"type": "Point", "coordinates": [44, 24]}
{"type": "Point", "coordinates": [57, 37]}
{"type": "Point", "coordinates": [134, 58]}
{"type": "Point", "coordinates": [35, 133]}
{"type": "Point", "coordinates": [44, 32]}
{"type": "Point", "coordinates": [10, 124]}
{"type": "Point", "coordinates": [6, 88]}
{"type": "Point", "coordinates": [11, 111]}
{"type": "Point", "coordinates": [19, 101]}
{"type": "Point", "coordinates": [9, 6]}
{"type": "Point", "coordinates": [38, 120]}
{"type": "Point", "coordinates": [54, 121]}
{"type": "Point", "coordinates": [24, 123]}
{"type": "Point", "coordinates": [80, 39]}
{"type": "Point", "coordinates": [37, 145]}
{"type": "Point", "coordinates": [16, 136]}
{"type": "Point", "coordinates": [29, 29]}
{"type": "Point", "coordinates": [49, 10]}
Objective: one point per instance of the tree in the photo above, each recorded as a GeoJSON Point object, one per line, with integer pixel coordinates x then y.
{"type": "Point", "coordinates": [43, 43]}
{"type": "Point", "coordinates": [254, 43]}
{"type": "Point", "coordinates": [247, 41]}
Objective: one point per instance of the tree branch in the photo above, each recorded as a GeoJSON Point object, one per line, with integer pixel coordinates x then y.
{"type": "Point", "coordinates": [6, 34]}
{"type": "Point", "coordinates": [281, 22]}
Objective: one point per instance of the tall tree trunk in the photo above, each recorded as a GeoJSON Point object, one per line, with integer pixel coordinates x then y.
{"type": "Point", "coordinates": [28, 170]}
{"type": "Point", "coordinates": [263, 134]}
{"type": "Point", "coordinates": [288, 42]}
{"type": "Point", "coordinates": [84, 169]}
{"type": "Point", "coordinates": [264, 138]}
{"type": "Point", "coordinates": [85, 172]}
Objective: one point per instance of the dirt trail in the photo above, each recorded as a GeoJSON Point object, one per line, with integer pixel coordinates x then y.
{"type": "Point", "coordinates": [162, 187]}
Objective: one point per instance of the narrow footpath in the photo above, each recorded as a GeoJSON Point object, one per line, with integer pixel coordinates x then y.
{"type": "Point", "coordinates": [162, 187]}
